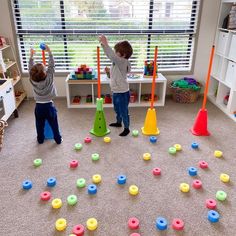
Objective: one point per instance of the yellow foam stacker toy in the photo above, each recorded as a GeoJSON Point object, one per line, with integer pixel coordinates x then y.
{"type": "Point", "coordinates": [224, 178]}
{"type": "Point", "coordinates": [218, 153]}
{"type": "Point", "coordinates": [92, 224]}
{"type": "Point", "coordinates": [133, 190]}
{"type": "Point", "coordinates": [61, 224]}
{"type": "Point", "coordinates": [184, 187]}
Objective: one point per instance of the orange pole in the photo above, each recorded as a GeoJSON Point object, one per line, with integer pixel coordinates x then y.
{"type": "Point", "coordinates": [98, 69]}
{"type": "Point", "coordinates": [208, 78]}
{"type": "Point", "coordinates": [43, 57]}
{"type": "Point", "coordinates": [154, 76]}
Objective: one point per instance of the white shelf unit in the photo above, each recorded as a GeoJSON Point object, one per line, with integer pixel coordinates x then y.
{"type": "Point", "coordinates": [89, 87]}
{"type": "Point", "coordinates": [10, 70]}
{"type": "Point", "coordinates": [223, 75]}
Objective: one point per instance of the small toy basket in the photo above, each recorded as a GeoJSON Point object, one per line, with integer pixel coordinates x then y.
{"type": "Point", "coordinates": [188, 93]}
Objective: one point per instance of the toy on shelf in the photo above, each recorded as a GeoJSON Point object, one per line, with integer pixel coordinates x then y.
{"type": "Point", "coordinates": [133, 96]}
{"type": "Point", "coordinates": [83, 73]}
{"type": "Point", "coordinates": [148, 69]}
{"type": "Point", "coordinates": [89, 98]}
{"type": "Point", "coordinates": [107, 71]}
{"type": "Point", "coordinates": [148, 97]}
{"type": "Point", "coordinates": [226, 99]}
{"type": "Point", "coordinates": [107, 99]}
{"type": "Point", "coordinates": [3, 41]}
{"type": "Point", "coordinates": [76, 99]}
{"type": "Point", "coordinates": [19, 95]}
{"type": "Point", "coordinates": [133, 76]}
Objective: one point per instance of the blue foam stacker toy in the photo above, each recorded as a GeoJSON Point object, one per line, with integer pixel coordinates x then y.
{"type": "Point", "coordinates": [121, 179]}
{"type": "Point", "coordinates": [161, 223]}
{"type": "Point", "coordinates": [213, 216]}
{"type": "Point", "coordinates": [51, 182]}
{"type": "Point", "coordinates": [92, 189]}
{"type": "Point", "coordinates": [27, 184]}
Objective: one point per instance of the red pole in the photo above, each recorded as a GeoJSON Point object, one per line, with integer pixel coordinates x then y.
{"type": "Point", "coordinates": [154, 76]}
{"type": "Point", "coordinates": [98, 69]}
{"type": "Point", "coordinates": [208, 78]}
{"type": "Point", "coordinates": [43, 57]}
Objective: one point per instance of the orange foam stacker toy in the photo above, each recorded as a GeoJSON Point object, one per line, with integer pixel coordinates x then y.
{"type": "Point", "coordinates": [99, 127]}
{"type": "Point", "coordinates": [150, 124]}
{"type": "Point", "coordinates": [200, 125]}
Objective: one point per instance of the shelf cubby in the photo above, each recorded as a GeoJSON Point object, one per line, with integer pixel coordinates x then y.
{"type": "Point", "coordinates": [89, 87]}
{"type": "Point", "coordinates": [222, 88]}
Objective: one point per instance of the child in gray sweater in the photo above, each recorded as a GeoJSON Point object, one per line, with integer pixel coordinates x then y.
{"type": "Point", "coordinates": [118, 83]}
{"type": "Point", "coordinates": [44, 91]}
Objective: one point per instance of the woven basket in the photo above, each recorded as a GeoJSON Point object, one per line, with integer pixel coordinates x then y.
{"type": "Point", "coordinates": [185, 95]}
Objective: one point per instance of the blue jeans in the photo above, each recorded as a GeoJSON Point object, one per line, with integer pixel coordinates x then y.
{"type": "Point", "coordinates": [46, 111]}
{"type": "Point", "coordinates": [121, 103]}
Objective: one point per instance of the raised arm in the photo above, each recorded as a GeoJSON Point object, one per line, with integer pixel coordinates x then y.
{"type": "Point", "coordinates": [108, 50]}
{"type": "Point", "coordinates": [51, 63]}
{"type": "Point", "coordinates": [31, 59]}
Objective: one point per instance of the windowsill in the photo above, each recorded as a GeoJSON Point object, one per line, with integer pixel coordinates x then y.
{"type": "Point", "coordinates": [64, 74]}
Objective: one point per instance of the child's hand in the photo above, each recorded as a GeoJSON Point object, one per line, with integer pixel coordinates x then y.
{"type": "Point", "coordinates": [103, 40]}
{"type": "Point", "coordinates": [47, 48]}
{"type": "Point", "coordinates": [32, 52]}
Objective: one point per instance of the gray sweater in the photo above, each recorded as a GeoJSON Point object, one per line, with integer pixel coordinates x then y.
{"type": "Point", "coordinates": [119, 69]}
{"type": "Point", "coordinates": [44, 91]}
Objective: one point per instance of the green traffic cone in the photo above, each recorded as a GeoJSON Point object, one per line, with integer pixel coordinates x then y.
{"type": "Point", "coordinates": [100, 127]}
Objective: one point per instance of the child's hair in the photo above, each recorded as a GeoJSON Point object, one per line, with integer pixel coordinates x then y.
{"type": "Point", "coordinates": [38, 73]}
{"type": "Point", "coordinates": [124, 48]}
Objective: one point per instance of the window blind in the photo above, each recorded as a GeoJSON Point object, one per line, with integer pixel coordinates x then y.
{"type": "Point", "coordinates": [71, 28]}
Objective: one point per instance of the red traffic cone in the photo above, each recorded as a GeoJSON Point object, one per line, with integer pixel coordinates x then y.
{"type": "Point", "coordinates": [200, 125]}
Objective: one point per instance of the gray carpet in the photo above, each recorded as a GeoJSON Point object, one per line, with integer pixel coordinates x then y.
{"type": "Point", "coordinates": [23, 214]}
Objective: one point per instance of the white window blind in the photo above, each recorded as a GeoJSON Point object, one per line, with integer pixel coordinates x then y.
{"type": "Point", "coordinates": [71, 29]}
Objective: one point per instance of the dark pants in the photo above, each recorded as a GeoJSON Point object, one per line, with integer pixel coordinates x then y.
{"type": "Point", "coordinates": [46, 111]}
{"type": "Point", "coordinates": [121, 103]}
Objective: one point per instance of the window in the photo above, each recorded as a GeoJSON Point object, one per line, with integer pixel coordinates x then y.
{"type": "Point", "coordinates": [71, 28]}
{"type": "Point", "coordinates": [169, 8]}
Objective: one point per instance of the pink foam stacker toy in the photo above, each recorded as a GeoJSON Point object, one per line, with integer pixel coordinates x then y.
{"type": "Point", "coordinates": [87, 140]}
{"type": "Point", "coordinates": [156, 171]}
{"type": "Point", "coordinates": [197, 184]}
{"type": "Point", "coordinates": [45, 196]}
{"type": "Point", "coordinates": [133, 223]}
{"type": "Point", "coordinates": [135, 234]}
{"type": "Point", "coordinates": [203, 164]}
{"type": "Point", "coordinates": [74, 164]}
{"type": "Point", "coordinates": [210, 203]}
{"type": "Point", "coordinates": [177, 224]}
{"type": "Point", "coordinates": [78, 230]}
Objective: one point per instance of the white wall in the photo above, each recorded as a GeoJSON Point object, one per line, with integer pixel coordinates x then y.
{"type": "Point", "coordinates": [208, 24]}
